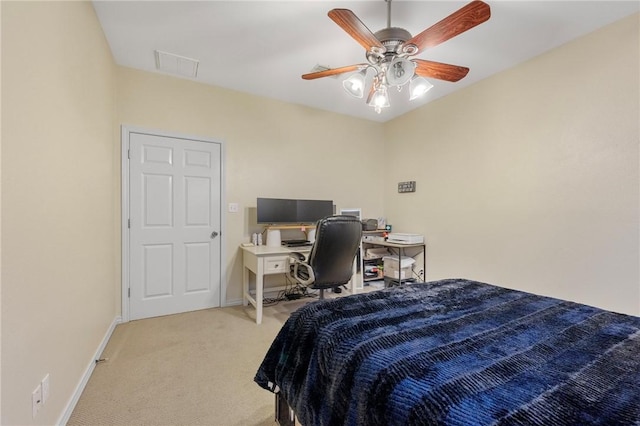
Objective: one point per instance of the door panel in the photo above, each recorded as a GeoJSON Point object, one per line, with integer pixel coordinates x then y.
{"type": "Point", "coordinates": [198, 275]}
{"type": "Point", "coordinates": [174, 209]}
{"type": "Point", "coordinates": [158, 200]}
{"type": "Point", "coordinates": [157, 275]}
{"type": "Point", "coordinates": [197, 201]}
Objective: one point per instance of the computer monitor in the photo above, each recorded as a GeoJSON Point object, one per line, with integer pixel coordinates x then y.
{"type": "Point", "coordinates": [311, 211]}
{"type": "Point", "coordinates": [276, 210]}
{"type": "Point", "coordinates": [292, 211]}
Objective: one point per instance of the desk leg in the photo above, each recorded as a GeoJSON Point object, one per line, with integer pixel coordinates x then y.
{"type": "Point", "coordinates": [259, 296]}
{"type": "Point", "coordinates": [354, 277]}
{"type": "Point", "coordinates": [245, 286]}
{"type": "Point", "coordinates": [400, 266]}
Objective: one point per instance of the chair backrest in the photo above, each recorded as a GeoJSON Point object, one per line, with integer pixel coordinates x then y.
{"type": "Point", "coordinates": [334, 249]}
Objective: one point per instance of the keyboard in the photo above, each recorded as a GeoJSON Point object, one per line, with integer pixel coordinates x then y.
{"type": "Point", "coordinates": [289, 242]}
{"type": "Point", "coordinates": [296, 243]}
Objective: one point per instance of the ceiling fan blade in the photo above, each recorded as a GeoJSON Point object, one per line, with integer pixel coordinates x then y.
{"type": "Point", "coordinates": [431, 69]}
{"type": "Point", "coordinates": [474, 13]}
{"type": "Point", "coordinates": [349, 22]}
{"type": "Point", "coordinates": [333, 71]}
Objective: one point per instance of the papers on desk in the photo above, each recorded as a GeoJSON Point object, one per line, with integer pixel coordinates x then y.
{"type": "Point", "coordinates": [405, 261]}
{"type": "Point", "coordinates": [375, 253]}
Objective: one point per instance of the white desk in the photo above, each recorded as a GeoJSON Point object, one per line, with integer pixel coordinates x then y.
{"type": "Point", "coordinates": [263, 260]}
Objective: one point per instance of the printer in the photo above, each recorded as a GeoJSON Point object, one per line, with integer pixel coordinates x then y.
{"type": "Point", "coordinates": [400, 238]}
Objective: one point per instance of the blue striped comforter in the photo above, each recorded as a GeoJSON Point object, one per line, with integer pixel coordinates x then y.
{"type": "Point", "coordinates": [456, 352]}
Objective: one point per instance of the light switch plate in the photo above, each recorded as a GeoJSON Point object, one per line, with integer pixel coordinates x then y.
{"type": "Point", "coordinates": [36, 400]}
{"type": "Point", "coordinates": [45, 388]}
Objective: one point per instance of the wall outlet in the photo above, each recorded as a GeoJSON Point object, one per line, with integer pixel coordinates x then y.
{"type": "Point", "coordinates": [233, 207]}
{"type": "Point", "coordinates": [45, 388]}
{"type": "Point", "coordinates": [36, 400]}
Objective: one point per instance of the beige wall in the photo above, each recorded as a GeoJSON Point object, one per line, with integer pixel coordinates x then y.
{"type": "Point", "coordinates": [0, 219]}
{"type": "Point", "coordinates": [529, 179]}
{"type": "Point", "coordinates": [58, 191]}
{"type": "Point", "coordinates": [272, 149]}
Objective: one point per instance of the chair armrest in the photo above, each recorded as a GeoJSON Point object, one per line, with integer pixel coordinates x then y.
{"type": "Point", "coordinates": [295, 255]}
{"type": "Point", "coordinates": [297, 261]}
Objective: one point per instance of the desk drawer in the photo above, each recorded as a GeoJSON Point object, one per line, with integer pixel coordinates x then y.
{"type": "Point", "coordinates": [276, 265]}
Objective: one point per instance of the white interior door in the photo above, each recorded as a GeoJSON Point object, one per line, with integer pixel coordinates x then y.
{"type": "Point", "coordinates": [175, 220]}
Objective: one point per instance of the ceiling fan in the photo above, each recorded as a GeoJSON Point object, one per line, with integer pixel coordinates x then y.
{"type": "Point", "coordinates": [389, 50]}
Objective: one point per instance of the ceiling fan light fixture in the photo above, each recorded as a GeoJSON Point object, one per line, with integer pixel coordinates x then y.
{"type": "Point", "coordinates": [380, 99]}
{"type": "Point", "coordinates": [418, 87]}
{"type": "Point", "coordinates": [388, 51]}
{"type": "Point", "coordinates": [354, 85]}
{"type": "Point", "coordinates": [400, 71]}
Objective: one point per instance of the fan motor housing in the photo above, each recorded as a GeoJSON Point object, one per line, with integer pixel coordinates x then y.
{"type": "Point", "coordinates": [392, 37]}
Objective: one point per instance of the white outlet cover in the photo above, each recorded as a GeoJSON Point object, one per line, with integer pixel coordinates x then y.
{"type": "Point", "coordinates": [45, 388]}
{"type": "Point", "coordinates": [233, 207]}
{"type": "Point", "coordinates": [36, 400]}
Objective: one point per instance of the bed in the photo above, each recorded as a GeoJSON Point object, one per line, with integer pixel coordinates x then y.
{"type": "Point", "coordinates": [455, 352]}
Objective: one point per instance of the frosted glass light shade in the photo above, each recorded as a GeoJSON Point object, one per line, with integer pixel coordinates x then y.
{"type": "Point", "coordinates": [418, 87]}
{"type": "Point", "coordinates": [380, 98]}
{"type": "Point", "coordinates": [354, 85]}
{"type": "Point", "coordinates": [400, 71]}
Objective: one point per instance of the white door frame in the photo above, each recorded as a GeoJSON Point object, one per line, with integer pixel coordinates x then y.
{"type": "Point", "coordinates": [126, 131]}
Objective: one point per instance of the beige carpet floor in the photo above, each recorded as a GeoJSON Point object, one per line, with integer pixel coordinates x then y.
{"type": "Point", "coordinates": [188, 369]}
{"type": "Point", "coordinates": [195, 368]}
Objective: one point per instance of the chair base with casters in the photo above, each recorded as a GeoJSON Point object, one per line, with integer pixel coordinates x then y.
{"type": "Point", "coordinates": [330, 262]}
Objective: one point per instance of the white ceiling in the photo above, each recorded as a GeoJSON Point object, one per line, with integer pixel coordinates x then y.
{"type": "Point", "coordinates": [263, 47]}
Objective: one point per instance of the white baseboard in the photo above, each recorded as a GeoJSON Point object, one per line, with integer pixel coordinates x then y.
{"type": "Point", "coordinates": [87, 374]}
{"type": "Point", "coordinates": [233, 302]}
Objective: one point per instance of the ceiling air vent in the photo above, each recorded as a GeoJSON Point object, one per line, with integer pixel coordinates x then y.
{"type": "Point", "coordinates": [176, 64]}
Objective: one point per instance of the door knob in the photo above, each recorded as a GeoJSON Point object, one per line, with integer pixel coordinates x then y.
{"type": "Point", "coordinates": [214, 234]}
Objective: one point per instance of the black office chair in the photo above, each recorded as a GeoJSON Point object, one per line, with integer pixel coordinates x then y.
{"type": "Point", "coordinates": [330, 262]}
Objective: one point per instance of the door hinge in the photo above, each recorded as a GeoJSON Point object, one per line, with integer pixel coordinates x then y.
{"type": "Point", "coordinates": [129, 292]}
{"type": "Point", "coordinates": [128, 223]}
{"type": "Point", "coordinates": [129, 154]}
